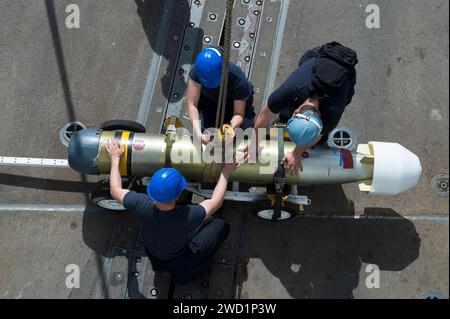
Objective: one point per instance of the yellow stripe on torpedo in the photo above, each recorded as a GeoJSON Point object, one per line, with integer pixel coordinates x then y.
{"type": "Point", "coordinates": [123, 161]}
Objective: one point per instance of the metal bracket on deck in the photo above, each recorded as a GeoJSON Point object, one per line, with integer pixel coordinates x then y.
{"type": "Point", "coordinates": [244, 196]}
{"type": "Point", "coordinates": [279, 179]}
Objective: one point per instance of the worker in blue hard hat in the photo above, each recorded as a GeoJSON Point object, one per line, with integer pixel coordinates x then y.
{"type": "Point", "coordinates": [203, 95]}
{"type": "Point", "coordinates": [311, 101]}
{"type": "Point", "coordinates": [178, 239]}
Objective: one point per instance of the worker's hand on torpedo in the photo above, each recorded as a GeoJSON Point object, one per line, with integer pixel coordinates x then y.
{"type": "Point", "coordinates": [206, 138]}
{"type": "Point", "coordinates": [115, 151]}
{"type": "Point", "coordinates": [250, 153]}
{"type": "Point", "coordinates": [292, 163]}
{"type": "Point", "coordinates": [229, 168]}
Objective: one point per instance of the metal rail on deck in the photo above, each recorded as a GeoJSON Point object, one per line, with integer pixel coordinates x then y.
{"type": "Point", "coordinates": [33, 162]}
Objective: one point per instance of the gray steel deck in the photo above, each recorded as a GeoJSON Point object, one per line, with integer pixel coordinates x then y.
{"type": "Point", "coordinates": [125, 62]}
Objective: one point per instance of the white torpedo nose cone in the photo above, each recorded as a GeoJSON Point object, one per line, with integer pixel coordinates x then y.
{"type": "Point", "coordinates": [396, 169]}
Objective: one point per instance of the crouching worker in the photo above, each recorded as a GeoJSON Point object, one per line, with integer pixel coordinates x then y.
{"type": "Point", "coordinates": [311, 101]}
{"type": "Point", "coordinates": [178, 239]}
{"type": "Point", "coordinates": [204, 90]}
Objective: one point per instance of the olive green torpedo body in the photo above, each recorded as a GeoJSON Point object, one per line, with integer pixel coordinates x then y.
{"type": "Point", "coordinates": [379, 168]}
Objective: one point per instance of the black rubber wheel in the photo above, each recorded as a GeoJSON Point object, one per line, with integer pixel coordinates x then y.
{"type": "Point", "coordinates": [126, 125]}
{"type": "Point", "coordinates": [264, 211]}
{"type": "Point", "coordinates": [103, 199]}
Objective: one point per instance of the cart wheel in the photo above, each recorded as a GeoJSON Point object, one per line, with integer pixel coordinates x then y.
{"type": "Point", "coordinates": [103, 199]}
{"type": "Point", "coordinates": [126, 125]}
{"type": "Point", "coordinates": [265, 211]}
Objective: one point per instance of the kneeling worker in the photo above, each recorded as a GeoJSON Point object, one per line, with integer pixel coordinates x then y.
{"type": "Point", "coordinates": [312, 100]}
{"type": "Point", "coordinates": [203, 95]}
{"type": "Point", "coordinates": [178, 239]}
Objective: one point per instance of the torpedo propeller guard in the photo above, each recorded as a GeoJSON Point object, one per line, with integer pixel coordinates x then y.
{"type": "Point", "coordinates": [380, 168]}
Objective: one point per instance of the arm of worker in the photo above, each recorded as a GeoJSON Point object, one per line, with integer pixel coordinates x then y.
{"type": "Point", "coordinates": [237, 119]}
{"type": "Point", "coordinates": [213, 204]}
{"type": "Point", "coordinates": [239, 111]}
{"type": "Point", "coordinates": [293, 159]}
{"type": "Point", "coordinates": [115, 152]}
{"type": "Point", "coordinates": [193, 96]}
{"type": "Point", "coordinates": [262, 121]}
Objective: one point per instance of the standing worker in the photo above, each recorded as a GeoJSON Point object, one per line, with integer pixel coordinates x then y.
{"type": "Point", "coordinates": [178, 239]}
{"type": "Point", "coordinates": [311, 101]}
{"type": "Point", "coordinates": [203, 95]}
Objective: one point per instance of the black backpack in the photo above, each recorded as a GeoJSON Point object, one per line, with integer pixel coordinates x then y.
{"type": "Point", "coordinates": [334, 67]}
{"type": "Point", "coordinates": [340, 54]}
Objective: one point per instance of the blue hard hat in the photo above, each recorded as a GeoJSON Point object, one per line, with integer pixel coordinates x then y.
{"type": "Point", "coordinates": [166, 185]}
{"type": "Point", "coordinates": [208, 66]}
{"type": "Point", "coordinates": [304, 128]}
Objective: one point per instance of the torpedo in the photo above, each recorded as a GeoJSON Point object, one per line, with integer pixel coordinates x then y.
{"type": "Point", "coordinates": [380, 168]}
